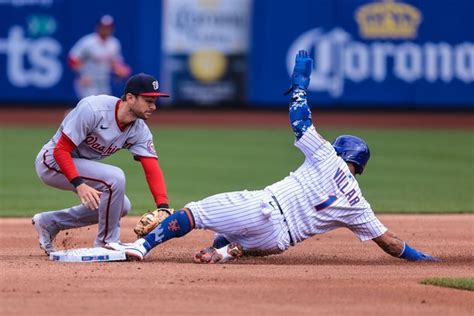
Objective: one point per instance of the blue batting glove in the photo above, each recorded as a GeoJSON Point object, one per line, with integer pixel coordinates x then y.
{"type": "Point", "coordinates": [302, 70]}
{"type": "Point", "coordinates": [411, 254]}
{"type": "Point", "coordinates": [425, 257]}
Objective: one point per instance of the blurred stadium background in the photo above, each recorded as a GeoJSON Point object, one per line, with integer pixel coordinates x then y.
{"type": "Point", "coordinates": [378, 56]}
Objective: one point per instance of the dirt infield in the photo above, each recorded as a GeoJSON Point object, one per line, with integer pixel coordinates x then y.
{"type": "Point", "coordinates": [327, 274]}
{"type": "Point", "coordinates": [331, 274]}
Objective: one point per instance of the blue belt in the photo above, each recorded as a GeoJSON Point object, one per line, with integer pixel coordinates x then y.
{"type": "Point", "coordinates": [284, 219]}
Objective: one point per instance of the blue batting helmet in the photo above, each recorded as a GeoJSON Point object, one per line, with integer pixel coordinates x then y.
{"type": "Point", "coordinates": [352, 149]}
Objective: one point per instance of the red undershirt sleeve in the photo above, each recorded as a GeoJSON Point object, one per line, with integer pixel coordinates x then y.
{"type": "Point", "coordinates": [74, 63]}
{"type": "Point", "coordinates": [62, 155]}
{"type": "Point", "coordinates": [155, 179]}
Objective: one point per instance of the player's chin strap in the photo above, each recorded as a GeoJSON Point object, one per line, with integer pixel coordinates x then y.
{"type": "Point", "coordinates": [412, 254]}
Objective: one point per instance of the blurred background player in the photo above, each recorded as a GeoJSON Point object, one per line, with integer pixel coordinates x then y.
{"type": "Point", "coordinates": [96, 128]}
{"type": "Point", "coordinates": [95, 57]}
{"type": "Point", "coordinates": [320, 196]}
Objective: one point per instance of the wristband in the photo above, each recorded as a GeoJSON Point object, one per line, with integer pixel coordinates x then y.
{"type": "Point", "coordinates": [412, 254]}
{"type": "Point", "coordinates": [162, 205]}
{"type": "Point", "coordinates": [77, 181]}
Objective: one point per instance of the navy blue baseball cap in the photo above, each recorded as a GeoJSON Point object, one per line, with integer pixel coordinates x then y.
{"type": "Point", "coordinates": [144, 85]}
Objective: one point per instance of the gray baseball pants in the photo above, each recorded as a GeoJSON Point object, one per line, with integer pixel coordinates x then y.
{"type": "Point", "coordinates": [114, 204]}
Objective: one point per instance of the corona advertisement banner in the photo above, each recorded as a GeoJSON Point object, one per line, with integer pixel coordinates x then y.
{"type": "Point", "coordinates": [384, 53]}
{"type": "Point", "coordinates": [368, 53]}
{"type": "Point", "coordinates": [205, 47]}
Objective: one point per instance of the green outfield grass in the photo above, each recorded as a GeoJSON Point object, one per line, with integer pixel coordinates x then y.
{"type": "Point", "coordinates": [424, 171]}
{"type": "Point", "coordinates": [457, 283]}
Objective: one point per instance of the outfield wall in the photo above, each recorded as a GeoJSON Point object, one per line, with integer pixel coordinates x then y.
{"type": "Point", "coordinates": [377, 54]}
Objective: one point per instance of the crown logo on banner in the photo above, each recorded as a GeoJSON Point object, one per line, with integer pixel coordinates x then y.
{"type": "Point", "coordinates": [388, 19]}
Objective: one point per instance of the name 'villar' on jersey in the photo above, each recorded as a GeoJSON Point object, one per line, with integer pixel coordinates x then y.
{"type": "Point", "coordinates": [342, 181]}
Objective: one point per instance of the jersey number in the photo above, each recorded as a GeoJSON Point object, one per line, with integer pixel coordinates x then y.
{"type": "Point", "coordinates": [327, 203]}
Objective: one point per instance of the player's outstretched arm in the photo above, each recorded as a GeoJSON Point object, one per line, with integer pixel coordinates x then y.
{"type": "Point", "coordinates": [396, 247]}
{"type": "Point", "coordinates": [299, 111]}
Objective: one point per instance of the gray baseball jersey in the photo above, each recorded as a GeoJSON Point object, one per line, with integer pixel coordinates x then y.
{"type": "Point", "coordinates": [96, 56]}
{"type": "Point", "coordinates": [93, 128]}
{"type": "Point", "coordinates": [321, 195]}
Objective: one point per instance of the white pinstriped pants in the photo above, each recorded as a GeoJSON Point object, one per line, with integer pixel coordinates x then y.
{"type": "Point", "coordinates": [249, 218]}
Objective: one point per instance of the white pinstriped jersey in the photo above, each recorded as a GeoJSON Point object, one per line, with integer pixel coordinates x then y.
{"type": "Point", "coordinates": [322, 195]}
{"type": "Point", "coordinates": [92, 126]}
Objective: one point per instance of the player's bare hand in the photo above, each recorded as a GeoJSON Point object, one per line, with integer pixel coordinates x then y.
{"type": "Point", "coordinates": [89, 196]}
{"type": "Point", "coordinates": [121, 70]}
{"type": "Point", "coordinates": [85, 81]}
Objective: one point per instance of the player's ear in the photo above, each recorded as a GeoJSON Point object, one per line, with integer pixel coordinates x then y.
{"type": "Point", "coordinates": [130, 97]}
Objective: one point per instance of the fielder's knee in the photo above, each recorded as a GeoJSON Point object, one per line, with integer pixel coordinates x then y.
{"type": "Point", "coordinates": [116, 179]}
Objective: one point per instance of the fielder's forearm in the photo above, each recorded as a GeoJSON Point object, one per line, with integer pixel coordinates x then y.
{"type": "Point", "coordinates": [155, 179]}
{"type": "Point", "coordinates": [62, 154]}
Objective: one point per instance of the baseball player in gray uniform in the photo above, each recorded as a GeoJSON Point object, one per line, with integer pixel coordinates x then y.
{"type": "Point", "coordinates": [321, 195]}
{"type": "Point", "coordinates": [95, 57]}
{"type": "Point", "coordinates": [96, 128]}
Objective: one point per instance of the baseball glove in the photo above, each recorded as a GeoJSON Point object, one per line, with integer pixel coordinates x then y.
{"type": "Point", "coordinates": [150, 220]}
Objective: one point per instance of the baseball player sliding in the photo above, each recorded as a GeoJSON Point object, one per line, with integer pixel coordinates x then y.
{"type": "Point", "coordinates": [96, 128]}
{"type": "Point", "coordinates": [321, 195]}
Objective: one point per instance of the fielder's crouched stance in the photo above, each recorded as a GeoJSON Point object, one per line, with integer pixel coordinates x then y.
{"type": "Point", "coordinates": [96, 128]}
{"type": "Point", "coordinates": [321, 195]}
